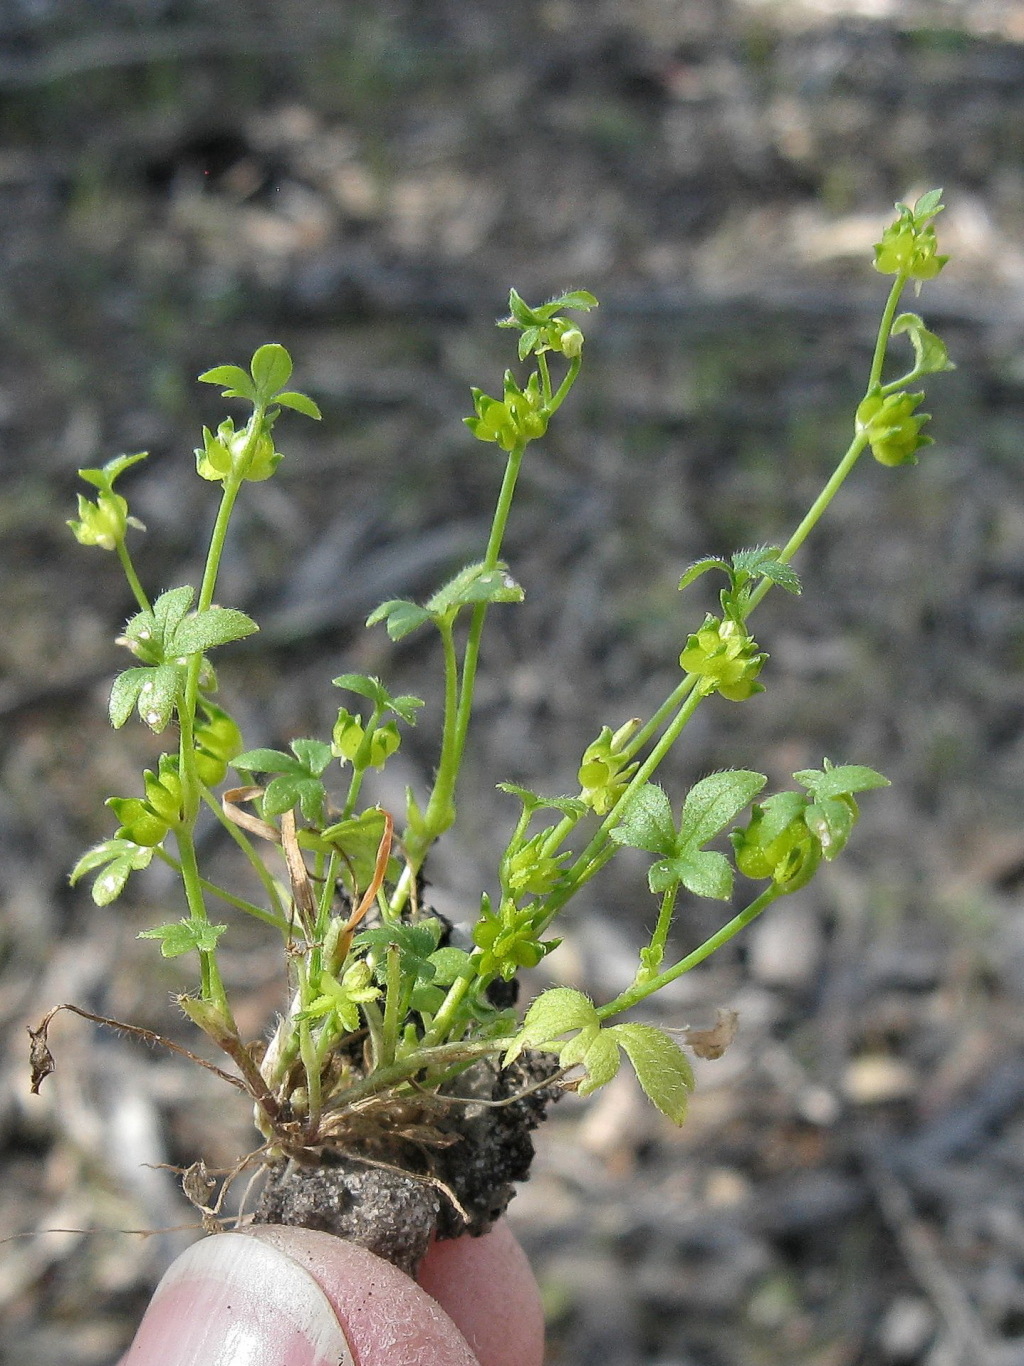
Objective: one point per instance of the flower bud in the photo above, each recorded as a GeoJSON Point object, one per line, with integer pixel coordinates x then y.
{"type": "Point", "coordinates": [725, 658]}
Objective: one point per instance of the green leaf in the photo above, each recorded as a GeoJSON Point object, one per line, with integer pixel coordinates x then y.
{"type": "Point", "coordinates": [185, 936]}
{"type": "Point", "coordinates": [473, 585]}
{"type": "Point", "coordinates": [600, 1060]}
{"type": "Point", "coordinates": [928, 205]}
{"type": "Point", "coordinates": [448, 964]}
{"type": "Point", "coordinates": [763, 562]}
{"type": "Point", "coordinates": [265, 761]}
{"type": "Point", "coordinates": [237, 383]}
{"type": "Point", "coordinates": [159, 694]}
{"type": "Point", "coordinates": [714, 801]}
{"type": "Point", "coordinates": [841, 781]}
{"type": "Point", "coordinates": [169, 610]}
{"type": "Point", "coordinates": [647, 822]}
{"type": "Point", "coordinates": [520, 310]}
{"type": "Point", "coordinates": [294, 789]}
{"type": "Point", "coordinates": [700, 567]}
{"type": "Point", "coordinates": [374, 690]}
{"type": "Point", "coordinates": [124, 694]}
{"type": "Point", "coordinates": [302, 403]}
{"type": "Point", "coordinates": [113, 469]}
{"type": "Point", "coordinates": [532, 801]}
{"type": "Point", "coordinates": [580, 299]}
{"type": "Point", "coordinates": [214, 626]}
{"type": "Point", "coordinates": [553, 1013]}
{"type": "Point", "coordinates": [271, 368]}
{"type": "Point", "coordinates": [399, 616]}
{"type": "Point", "coordinates": [313, 755]}
{"type": "Point", "coordinates": [118, 859]}
{"type": "Point", "coordinates": [662, 1068]}
{"type": "Point", "coordinates": [701, 871]}
{"type": "Point", "coordinates": [930, 354]}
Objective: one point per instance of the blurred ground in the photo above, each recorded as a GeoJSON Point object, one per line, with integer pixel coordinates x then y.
{"type": "Point", "coordinates": [362, 182]}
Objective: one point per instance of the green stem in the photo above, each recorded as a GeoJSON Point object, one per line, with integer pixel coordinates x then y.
{"type": "Point", "coordinates": [392, 1004]}
{"type": "Point", "coordinates": [138, 592]}
{"type": "Point", "coordinates": [885, 328]}
{"type": "Point", "coordinates": [640, 990]}
{"type": "Point", "coordinates": [279, 917]}
{"type": "Point", "coordinates": [258, 912]}
{"type": "Point", "coordinates": [440, 810]}
{"type": "Point", "coordinates": [444, 1055]}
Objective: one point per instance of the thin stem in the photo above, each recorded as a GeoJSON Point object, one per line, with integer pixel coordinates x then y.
{"type": "Point", "coordinates": [258, 866]}
{"type": "Point", "coordinates": [268, 917]}
{"type": "Point", "coordinates": [640, 990]}
{"type": "Point", "coordinates": [138, 592]}
{"type": "Point", "coordinates": [443, 1055]}
{"type": "Point", "coordinates": [885, 328]}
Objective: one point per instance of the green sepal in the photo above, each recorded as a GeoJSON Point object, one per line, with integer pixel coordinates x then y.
{"type": "Point", "coordinates": [185, 936]}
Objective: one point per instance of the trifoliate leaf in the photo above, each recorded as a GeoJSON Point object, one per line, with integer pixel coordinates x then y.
{"type": "Point", "coordinates": [185, 936]}
{"type": "Point", "coordinates": [374, 690]}
{"type": "Point", "coordinates": [662, 1068]}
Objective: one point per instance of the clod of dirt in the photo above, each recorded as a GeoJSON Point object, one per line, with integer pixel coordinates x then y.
{"type": "Point", "coordinates": [437, 1166]}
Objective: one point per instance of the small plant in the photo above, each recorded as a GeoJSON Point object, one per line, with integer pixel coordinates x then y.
{"type": "Point", "coordinates": [398, 1072]}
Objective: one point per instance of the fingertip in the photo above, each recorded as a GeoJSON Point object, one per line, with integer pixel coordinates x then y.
{"type": "Point", "coordinates": [386, 1317]}
{"type": "Point", "coordinates": [487, 1288]}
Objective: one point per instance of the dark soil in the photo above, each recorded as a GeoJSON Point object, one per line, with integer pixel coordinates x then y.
{"type": "Point", "coordinates": [442, 1169]}
{"type": "Point", "coordinates": [180, 182]}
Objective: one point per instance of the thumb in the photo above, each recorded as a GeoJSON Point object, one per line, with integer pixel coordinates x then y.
{"type": "Point", "coordinates": [292, 1297]}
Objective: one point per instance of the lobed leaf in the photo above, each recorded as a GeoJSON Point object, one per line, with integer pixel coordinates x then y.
{"type": "Point", "coordinates": [553, 1013]}
{"type": "Point", "coordinates": [841, 781]}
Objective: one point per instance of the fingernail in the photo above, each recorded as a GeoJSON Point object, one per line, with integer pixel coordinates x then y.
{"type": "Point", "coordinates": [231, 1300]}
